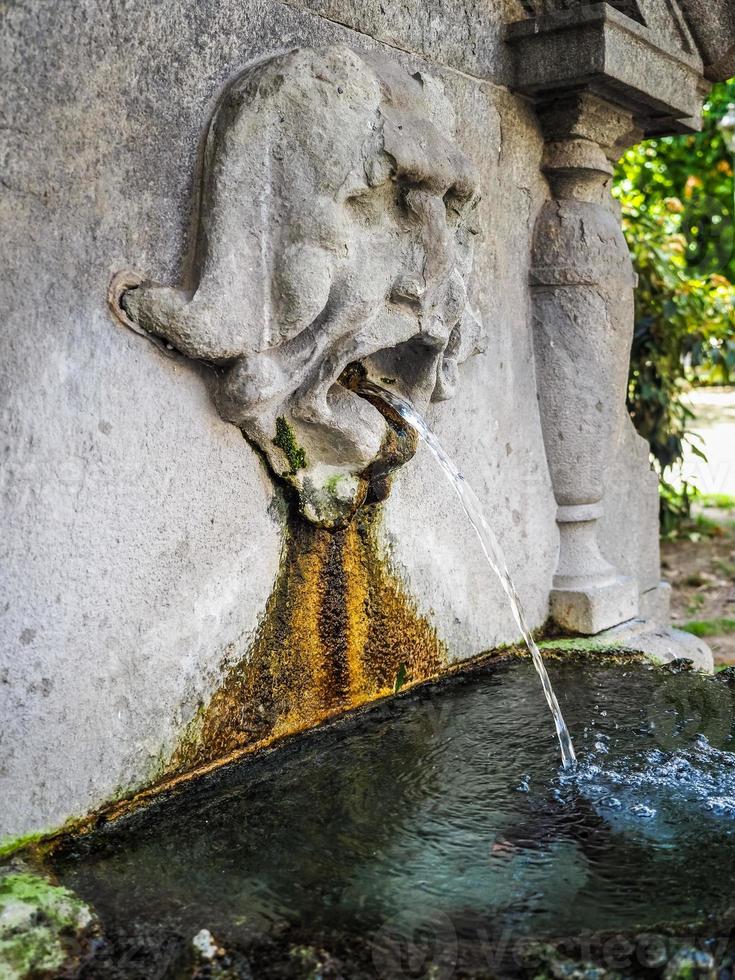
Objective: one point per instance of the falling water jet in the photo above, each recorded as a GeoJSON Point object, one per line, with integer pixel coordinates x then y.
{"type": "Point", "coordinates": [489, 543]}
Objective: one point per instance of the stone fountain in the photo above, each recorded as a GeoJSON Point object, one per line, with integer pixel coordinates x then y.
{"type": "Point", "coordinates": [210, 539]}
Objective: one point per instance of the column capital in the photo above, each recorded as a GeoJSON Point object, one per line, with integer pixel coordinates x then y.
{"type": "Point", "coordinates": [584, 135]}
{"type": "Point", "coordinates": [577, 118]}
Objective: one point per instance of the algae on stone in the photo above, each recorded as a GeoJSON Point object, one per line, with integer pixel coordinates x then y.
{"type": "Point", "coordinates": [11, 845]}
{"type": "Point", "coordinates": [42, 926]}
{"type": "Point", "coordinates": [337, 632]}
{"type": "Point", "coordinates": [285, 440]}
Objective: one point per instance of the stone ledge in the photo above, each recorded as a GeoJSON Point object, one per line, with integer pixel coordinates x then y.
{"type": "Point", "coordinates": [637, 638]}
{"type": "Point", "coordinates": [599, 49]}
{"type": "Point", "coordinates": [662, 643]}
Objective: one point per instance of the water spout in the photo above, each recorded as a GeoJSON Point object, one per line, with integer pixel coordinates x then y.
{"type": "Point", "coordinates": [489, 543]}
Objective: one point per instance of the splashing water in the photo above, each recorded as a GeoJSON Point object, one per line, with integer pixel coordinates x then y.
{"type": "Point", "coordinates": [490, 546]}
{"type": "Point", "coordinates": [655, 782]}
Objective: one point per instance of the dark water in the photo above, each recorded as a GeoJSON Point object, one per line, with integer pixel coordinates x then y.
{"type": "Point", "coordinates": [438, 829]}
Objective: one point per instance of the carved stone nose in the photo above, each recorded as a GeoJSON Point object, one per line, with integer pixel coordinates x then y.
{"type": "Point", "coordinates": [411, 289]}
{"type": "Point", "coordinates": [438, 240]}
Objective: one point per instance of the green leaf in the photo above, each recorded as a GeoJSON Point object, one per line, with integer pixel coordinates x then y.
{"type": "Point", "coordinates": [400, 678]}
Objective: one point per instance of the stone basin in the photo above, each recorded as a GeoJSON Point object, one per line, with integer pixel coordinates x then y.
{"type": "Point", "coordinates": [434, 835]}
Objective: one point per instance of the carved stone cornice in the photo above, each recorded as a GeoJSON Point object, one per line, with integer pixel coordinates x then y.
{"type": "Point", "coordinates": [712, 23]}
{"type": "Point", "coordinates": [597, 49]}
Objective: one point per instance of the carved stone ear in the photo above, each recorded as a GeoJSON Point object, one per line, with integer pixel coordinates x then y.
{"type": "Point", "coordinates": [121, 286]}
{"type": "Point", "coordinates": [333, 229]}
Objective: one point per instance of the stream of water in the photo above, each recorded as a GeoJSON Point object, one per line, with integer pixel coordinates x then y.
{"type": "Point", "coordinates": [490, 546]}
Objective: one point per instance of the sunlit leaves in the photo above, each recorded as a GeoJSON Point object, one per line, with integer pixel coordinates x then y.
{"type": "Point", "coordinates": [677, 200]}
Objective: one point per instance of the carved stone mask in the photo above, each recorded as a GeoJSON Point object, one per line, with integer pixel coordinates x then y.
{"type": "Point", "coordinates": [336, 227]}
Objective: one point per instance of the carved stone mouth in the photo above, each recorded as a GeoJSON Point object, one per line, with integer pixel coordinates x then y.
{"type": "Point", "coordinates": [399, 443]}
{"type": "Point", "coordinates": [399, 446]}
{"type": "Point", "coordinates": [417, 371]}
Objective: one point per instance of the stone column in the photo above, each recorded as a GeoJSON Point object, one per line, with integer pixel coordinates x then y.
{"type": "Point", "coordinates": [582, 288]}
{"type": "Point", "coordinates": [600, 78]}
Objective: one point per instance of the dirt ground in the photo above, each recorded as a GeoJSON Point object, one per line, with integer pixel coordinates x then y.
{"type": "Point", "coordinates": [700, 565]}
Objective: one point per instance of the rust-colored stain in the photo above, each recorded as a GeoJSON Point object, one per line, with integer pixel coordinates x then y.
{"type": "Point", "coordinates": [336, 631]}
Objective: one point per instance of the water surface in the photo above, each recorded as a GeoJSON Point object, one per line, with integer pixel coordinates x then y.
{"type": "Point", "coordinates": [440, 821]}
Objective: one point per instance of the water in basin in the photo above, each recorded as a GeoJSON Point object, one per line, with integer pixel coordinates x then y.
{"type": "Point", "coordinates": [436, 831]}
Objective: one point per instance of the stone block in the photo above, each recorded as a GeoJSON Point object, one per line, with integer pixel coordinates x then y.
{"type": "Point", "coordinates": [655, 604]}
{"type": "Point", "coordinates": [712, 23]}
{"type": "Point", "coordinates": [631, 502]}
{"type": "Point", "coordinates": [600, 49]}
{"type": "Point", "coordinates": [592, 609]}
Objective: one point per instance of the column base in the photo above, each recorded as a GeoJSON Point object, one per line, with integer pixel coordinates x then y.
{"type": "Point", "coordinates": [596, 608]}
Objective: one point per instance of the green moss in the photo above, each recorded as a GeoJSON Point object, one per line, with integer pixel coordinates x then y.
{"type": "Point", "coordinates": [332, 482]}
{"type": "Point", "coordinates": [10, 845]}
{"type": "Point", "coordinates": [38, 923]}
{"type": "Point", "coordinates": [400, 678]}
{"type": "Point", "coordinates": [286, 441]}
{"type": "Point", "coordinates": [582, 644]}
{"type": "Point", "coordinates": [710, 627]}
{"type": "Point", "coordinates": [686, 971]}
{"type": "Point", "coordinates": [688, 964]}
{"type": "Point", "coordinates": [308, 960]}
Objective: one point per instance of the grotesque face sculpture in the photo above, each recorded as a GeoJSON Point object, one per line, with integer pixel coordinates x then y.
{"type": "Point", "coordinates": [336, 227]}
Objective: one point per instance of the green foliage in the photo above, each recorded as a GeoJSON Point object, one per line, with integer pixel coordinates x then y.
{"type": "Point", "coordinates": [710, 627]}
{"type": "Point", "coordinates": [677, 200]}
{"type": "Point", "coordinates": [675, 506]}
{"type": "Point", "coordinates": [717, 501]}
{"type": "Point", "coordinates": [692, 175]}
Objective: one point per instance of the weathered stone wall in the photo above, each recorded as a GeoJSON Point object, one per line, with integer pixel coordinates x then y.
{"type": "Point", "coordinates": [142, 534]}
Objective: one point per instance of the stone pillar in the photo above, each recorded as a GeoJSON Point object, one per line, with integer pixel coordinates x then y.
{"type": "Point", "coordinates": [600, 78]}
{"type": "Point", "coordinates": [582, 286]}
